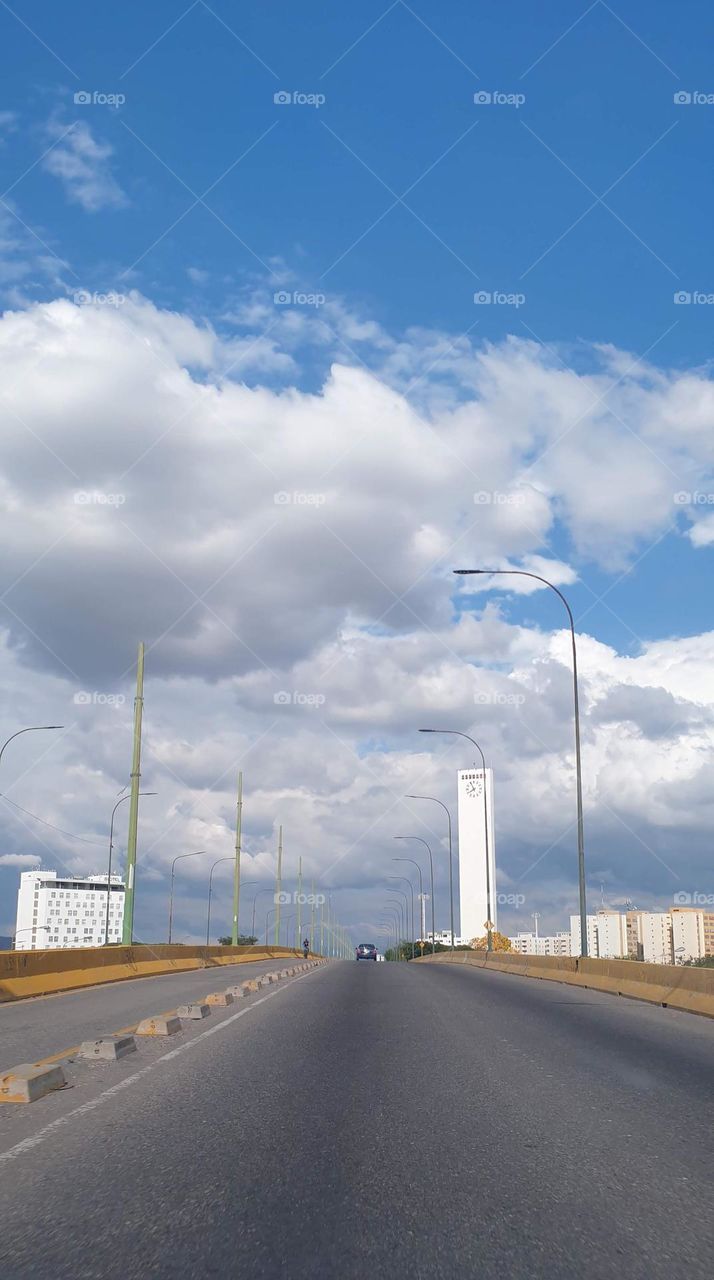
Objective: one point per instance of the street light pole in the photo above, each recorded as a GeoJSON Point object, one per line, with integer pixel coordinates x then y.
{"type": "Point", "coordinates": [489, 919]}
{"type": "Point", "coordinates": [33, 728]}
{"type": "Point", "coordinates": [404, 908]}
{"type": "Point", "coordinates": [451, 859]}
{"type": "Point", "coordinates": [523, 573]}
{"type": "Point", "coordinates": [210, 891]}
{"type": "Point", "coordinates": [199, 853]}
{"type": "Point", "coordinates": [406, 880]}
{"type": "Point", "coordinates": [111, 846]}
{"type": "Point", "coordinates": [431, 868]}
{"type": "Point", "coordinates": [421, 892]}
{"type": "Point", "coordinates": [255, 899]}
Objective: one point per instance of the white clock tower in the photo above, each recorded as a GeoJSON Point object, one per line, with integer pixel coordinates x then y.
{"type": "Point", "coordinates": [472, 819]}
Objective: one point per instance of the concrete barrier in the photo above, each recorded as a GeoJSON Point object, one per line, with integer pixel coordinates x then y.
{"type": "Point", "coordinates": [672, 986]}
{"type": "Point", "coordinates": [218, 998]}
{"type": "Point", "coordinates": [193, 1011]}
{"type": "Point", "coordinates": [40, 973]}
{"type": "Point", "coordinates": [163, 1025]}
{"type": "Point", "coordinates": [108, 1048]}
{"type": "Point", "coordinates": [29, 1082]}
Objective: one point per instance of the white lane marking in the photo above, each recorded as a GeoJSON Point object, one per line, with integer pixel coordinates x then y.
{"type": "Point", "coordinates": [28, 1144]}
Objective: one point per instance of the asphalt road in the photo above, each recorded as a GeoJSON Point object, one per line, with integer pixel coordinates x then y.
{"type": "Point", "coordinates": [379, 1120]}
{"type": "Point", "coordinates": [33, 1029]}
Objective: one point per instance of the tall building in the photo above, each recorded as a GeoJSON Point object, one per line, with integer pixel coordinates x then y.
{"type": "Point", "coordinates": [575, 945]}
{"type": "Point", "coordinates": [692, 933]}
{"type": "Point", "coordinates": [549, 944]}
{"type": "Point", "coordinates": [67, 911]}
{"type": "Point", "coordinates": [472, 852]}
{"type": "Point", "coordinates": [652, 936]}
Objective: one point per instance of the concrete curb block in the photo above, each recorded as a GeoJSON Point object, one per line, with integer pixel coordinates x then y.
{"type": "Point", "coordinates": [159, 1026]}
{"type": "Point", "coordinates": [108, 1048]}
{"type": "Point", "coordinates": [239, 991]}
{"type": "Point", "coordinates": [29, 1082]}
{"type": "Point", "coordinates": [251, 985]}
{"type": "Point", "coordinates": [219, 998]}
{"type": "Point", "coordinates": [193, 1011]}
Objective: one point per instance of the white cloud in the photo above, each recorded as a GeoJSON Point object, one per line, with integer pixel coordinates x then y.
{"type": "Point", "coordinates": [344, 592]}
{"type": "Point", "coordinates": [82, 164]}
{"type": "Point", "coordinates": [19, 860]}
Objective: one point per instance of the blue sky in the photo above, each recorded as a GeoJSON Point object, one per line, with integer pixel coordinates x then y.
{"type": "Point", "coordinates": [577, 199]}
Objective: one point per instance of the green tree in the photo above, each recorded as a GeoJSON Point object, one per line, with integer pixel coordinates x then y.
{"type": "Point", "coordinates": [244, 940]}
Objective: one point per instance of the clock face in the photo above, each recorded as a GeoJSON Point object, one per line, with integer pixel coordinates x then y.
{"type": "Point", "coordinates": [474, 787]}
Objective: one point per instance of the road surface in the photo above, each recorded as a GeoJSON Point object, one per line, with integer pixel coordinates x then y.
{"type": "Point", "coordinates": [368, 1120]}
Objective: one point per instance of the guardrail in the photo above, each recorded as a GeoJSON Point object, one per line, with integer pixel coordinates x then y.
{"type": "Point", "coordinates": [672, 986]}
{"type": "Point", "coordinates": [41, 973]}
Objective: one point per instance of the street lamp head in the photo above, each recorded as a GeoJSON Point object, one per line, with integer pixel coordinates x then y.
{"type": "Point", "coordinates": [466, 572]}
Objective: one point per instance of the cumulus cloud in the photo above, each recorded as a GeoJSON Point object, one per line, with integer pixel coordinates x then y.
{"type": "Point", "coordinates": [268, 533]}
{"type": "Point", "coordinates": [19, 860]}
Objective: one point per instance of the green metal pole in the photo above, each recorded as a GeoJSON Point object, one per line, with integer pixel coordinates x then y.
{"type": "Point", "coordinates": [236, 872]}
{"type": "Point", "coordinates": [312, 918]}
{"type": "Point", "coordinates": [298, 931]}
{"type": "Point", "coordinates": [322, 928]}
{"type": "Point", "coordinates": [128, 928]}
{"type": "Point", "coordinates": [278, 886]}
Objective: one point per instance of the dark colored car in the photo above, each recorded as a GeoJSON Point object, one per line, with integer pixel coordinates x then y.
{"type": "Point", "coordinates": [366, 951]}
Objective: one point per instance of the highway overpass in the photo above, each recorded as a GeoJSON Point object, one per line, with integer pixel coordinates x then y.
{"type": "Point", "coordinates": [426, 1120]}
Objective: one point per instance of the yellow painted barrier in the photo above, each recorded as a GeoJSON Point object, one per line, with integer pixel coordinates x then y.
{"type": "Point", "coordinates": [673, 986]}
{"type": "Point", "coordinates": [40, 973]}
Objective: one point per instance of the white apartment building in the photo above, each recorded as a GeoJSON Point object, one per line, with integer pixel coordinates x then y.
{"type": "Point", "coordinates": [575, 946]}
{"type": "Point", "coordinates": [552, 944]}
{"type": "Point", "coordinates": [56, 911]}
{"type": "Point", "coordinates": [445, 939]}
{"type": "Point", "coordinates": [653, 931]}
{"type": "Point", "coordinates": [475, 809]}
{"type": "Point", "coordinates": [688, 936]}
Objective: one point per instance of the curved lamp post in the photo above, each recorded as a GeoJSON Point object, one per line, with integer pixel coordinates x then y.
{"type": "Point", "coordinates": [406, 880]}
{"type": "Point", "coordinates": [523, 573]}
{"type": "Point", "coordinates": [431, 868]}
{"type": "Point", "coordinates": [32, 728]}
{"type": "Point", "coordinates": [210, 893]}
{"type": "Point", "coordinates": [111, 846]}
{"type": "Point", "coordinates": [489, 919]}
{"type": "Point", "coordinates": [451, 859]}
{"type": "Point", "coordinates": [198, 854]}
{"type": "Point", "coordinates": [421, 892]}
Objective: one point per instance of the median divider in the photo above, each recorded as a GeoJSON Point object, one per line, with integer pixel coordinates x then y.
{"type": "Point", "coordinates": [40, 973]}
{"type": "Point", "coordinates": [672, 986]}
{"type": "Point", "coordinates": [30, 1082]}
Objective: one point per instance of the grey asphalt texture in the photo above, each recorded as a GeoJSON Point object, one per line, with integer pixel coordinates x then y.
{"type": "Point", "coordinates": [369, 1120]}
{"type": "Point", "coordinates": [33, 1029]}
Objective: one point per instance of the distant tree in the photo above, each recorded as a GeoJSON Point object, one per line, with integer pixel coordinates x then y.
{"type": "Point", "coordinates": [499, 942]}
{"type": "Point", "coordinates": [704, 962]}
{"type": "Point", "coordinates": [244, 940]}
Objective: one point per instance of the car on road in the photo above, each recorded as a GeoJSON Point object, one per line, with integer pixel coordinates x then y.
{"type": "Point", "coordinates": [366, 951]}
